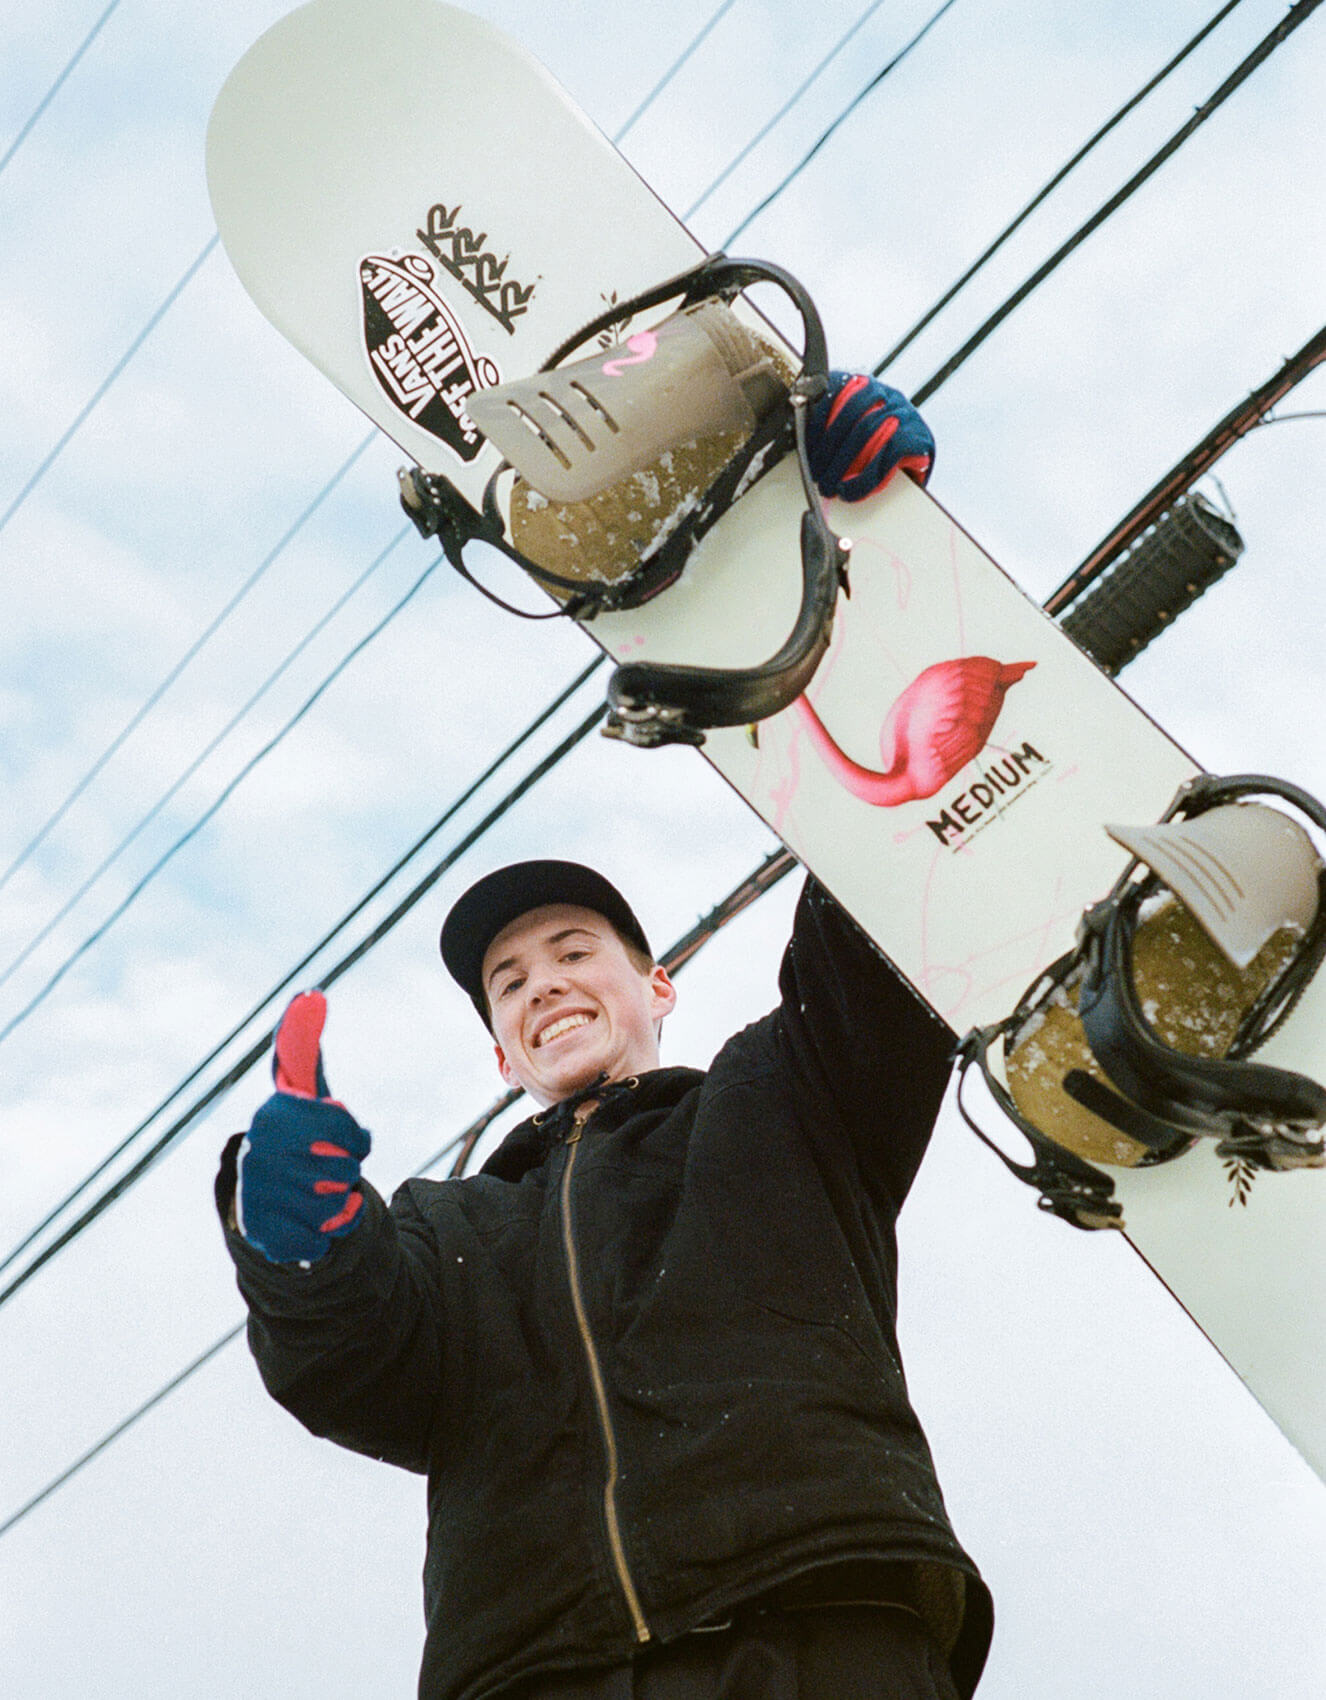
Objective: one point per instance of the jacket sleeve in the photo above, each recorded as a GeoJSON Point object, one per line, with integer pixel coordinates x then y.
{"type": "Point", "coordinates": [352, 1345]}
{"type": "Point", "coordinates": [862, 1044]}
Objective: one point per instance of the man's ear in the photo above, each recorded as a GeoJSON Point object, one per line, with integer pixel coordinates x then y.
{"type": "Point", "coordinates": [663, 991]}
{"type": "Point", "coordinates": [503, 1066]}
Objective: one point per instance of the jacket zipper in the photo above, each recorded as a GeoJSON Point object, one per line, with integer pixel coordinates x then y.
{"type": "Point", "coordinates": [642, 1631]}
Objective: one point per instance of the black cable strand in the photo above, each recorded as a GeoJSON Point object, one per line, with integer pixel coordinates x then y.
{"type": "Point", "coordinates": [671, 71]}
{"type": "Point", "coordinates": [193, 649]}
{"type": "Point", "coordinates": [862, 19]}
{"type": "Point", "coordinates": [136, 891]}
{"type": "Point", "coordinates": [1296, 15]}
{"type": "Point", "coordinates": [259, 1049]}
{"type": "Point", "coordinates": [778, 863]}
{"type": "Point", "coordinates": [309, 956]}
{"type": "Point", "coordinates": [121, 1428]}
{"type": "Point", "coordinates": [1043, 194]}
{"type": "Point", "coordinates": [241, 714]}
{"type": "Point", "coordinates": [88, 407]}
{"type": "Point", "coordinates": [841, 119]}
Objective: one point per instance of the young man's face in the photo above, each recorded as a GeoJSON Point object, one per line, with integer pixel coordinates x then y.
{"type": "Point", "coordinates": [568, 1003]}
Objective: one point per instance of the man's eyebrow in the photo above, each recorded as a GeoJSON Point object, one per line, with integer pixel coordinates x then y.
{"type": "Point", "coordinates": [554, 938]}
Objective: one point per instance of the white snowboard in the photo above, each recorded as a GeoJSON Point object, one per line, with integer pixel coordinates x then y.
{"type": "Point", "coordinates": [417, 206]}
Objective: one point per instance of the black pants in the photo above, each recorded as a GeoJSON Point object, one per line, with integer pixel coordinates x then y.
{"type": "Point", "coordinates": [824, 1653]}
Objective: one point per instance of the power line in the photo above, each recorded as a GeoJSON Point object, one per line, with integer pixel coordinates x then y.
{"type": "Point", "coordinates": [770, 871]}
{"type": "Point", "coordinates": [838, 122]}
{"type": "Point", "coordinates": [170, 678]}
{"type": "Point", "coordinates": [672, 70]}
{"type": "Point", "coordinates": [136, 890]}
{"type": "Point", "coordinates": [1296, 15]}
{"type": "Point", "coordinates": [54, 454]}
{"type": "Point", "coordinates": [235, 720]}
{"type": "Point", "coordinates": [1043, 194]}
{"type": "Point", "coordinates": [784, 109]}
{"type": "Point", "coordinates": [259, 1049]}
{"type": "Point", "coordinates": [57, 85]}
{"type": "Point", "coordinates": [903, 51]}
{"type": "Point", "coordinates": [189, 654]}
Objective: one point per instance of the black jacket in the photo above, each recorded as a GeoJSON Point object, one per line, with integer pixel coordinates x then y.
{"type": "Point", "coordinates": [650, 1370]}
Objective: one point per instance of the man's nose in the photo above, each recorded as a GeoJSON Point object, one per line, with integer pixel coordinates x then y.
{"type": "Point", "coordinates": [547, 982]}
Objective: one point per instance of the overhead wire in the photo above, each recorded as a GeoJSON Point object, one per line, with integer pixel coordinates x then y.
{"type": "Point", "coordinates": [772, 869]}
{"type": "Point", "coordinates": [260, 1047]}
{"type": "Point", "coordinates": [85, 412]}
{"type": "Point", "coordinates": [1043, 194]}
{"type": "Point", "coordinates": [282, 667]}
{"type": "Point", "coordinates": [1297, 14]}
{"type": "Point", "coordinates": [672, 70]}
{"type": "Point", "coordinates": [863, 18]}
{"type": "Point", "coordinates": [192, 832]}
{"type": "Point", "coordinates": [465, 1141]}
{"type": "Point", "coordinates": [57, 85]}
{"type": "Point", "coordinates": [311, 955]}
{"type": "Point", "coordinates": [839, 121]}
{"type": "Point", "coordinates": [190, 653]}
{"type": "Point", "coordinates": [1301, 9]}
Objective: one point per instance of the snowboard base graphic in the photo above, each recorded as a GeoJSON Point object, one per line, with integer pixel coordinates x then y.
{"type": "Point", "coordinates": [949, 771]}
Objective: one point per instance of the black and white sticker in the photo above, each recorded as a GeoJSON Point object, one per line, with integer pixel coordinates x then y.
{"type": "Point", "coordinates": [418, 353]}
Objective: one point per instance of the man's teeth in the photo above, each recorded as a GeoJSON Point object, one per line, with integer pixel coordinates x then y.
{"type": "Point", "coordinates": [563, 1026]}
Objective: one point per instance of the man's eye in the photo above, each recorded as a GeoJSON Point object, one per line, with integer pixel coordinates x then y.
{"type": "Point", "coordinates": [510, 986]}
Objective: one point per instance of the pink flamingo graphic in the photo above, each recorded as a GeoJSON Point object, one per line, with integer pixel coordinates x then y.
{"type": "Point", "coordinates": [938, 724]}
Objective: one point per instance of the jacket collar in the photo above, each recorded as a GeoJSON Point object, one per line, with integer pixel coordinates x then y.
{"type": "Point", "coordinates": [528, 1144]}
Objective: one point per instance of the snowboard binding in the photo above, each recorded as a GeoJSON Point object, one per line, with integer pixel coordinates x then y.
{"type": "Point", "coordinates": [1134, 1045]}
{"type": "Point", "coordinates": [626, 459]}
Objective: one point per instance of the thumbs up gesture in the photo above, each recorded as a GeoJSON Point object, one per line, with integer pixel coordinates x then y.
{"type": "Point", "coordinates": [298, 1166]}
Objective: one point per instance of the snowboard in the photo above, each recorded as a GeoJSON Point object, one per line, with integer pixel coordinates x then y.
{"type": "Point", "coordinates": [422, 211]}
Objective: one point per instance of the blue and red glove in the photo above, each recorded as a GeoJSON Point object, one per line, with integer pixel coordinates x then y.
{"type": "Point", "coordinates": [860, 432]}
{"type": "Point", "coordinates": [298, 1166]}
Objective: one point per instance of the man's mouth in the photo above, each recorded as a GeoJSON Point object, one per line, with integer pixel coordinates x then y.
{"type": "Point", "coordinates": [555, 1029]}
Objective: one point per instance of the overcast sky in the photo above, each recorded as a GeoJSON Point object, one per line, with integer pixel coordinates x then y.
{"type": "Point", "coordinates": [1145, 1528]}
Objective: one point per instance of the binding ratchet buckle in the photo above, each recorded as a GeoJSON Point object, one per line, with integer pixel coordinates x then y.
{"type": "Point", "coordinates": [625, 459]}
{"type": "Point", "coordinates": [1134, 1045]}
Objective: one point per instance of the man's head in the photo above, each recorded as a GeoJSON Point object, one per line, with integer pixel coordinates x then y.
{"type": "Point", "coordinates": [559, 968]}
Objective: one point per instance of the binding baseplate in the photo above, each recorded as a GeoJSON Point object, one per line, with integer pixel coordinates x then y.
{"type": "Point", "coordinates": [624, 461]}
{"type": "Point", "coordinates": [1134, 1045]}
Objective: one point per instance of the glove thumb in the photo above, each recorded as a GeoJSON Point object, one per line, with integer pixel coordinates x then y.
{"type": "Point", "coordinates": [297, 1051]}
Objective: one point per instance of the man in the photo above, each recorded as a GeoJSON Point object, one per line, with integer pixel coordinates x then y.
{"type": "Point", "coordinates": [647, 1357]}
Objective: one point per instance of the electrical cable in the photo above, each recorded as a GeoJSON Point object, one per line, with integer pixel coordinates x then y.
{"type": "Point", "coordinates": [259, 1049]}
{"type": "Point", "coordinates": [1299, 9]}
{"type": "Point", "coordinates": [671, 72]}
{"type": "Point", "coordinates": [773, 868]}
{"type": "Point", "coordinates": [1296, 15]}
{"type": "Point", "coordinates": [261, 755]}
{"type": "Point", "coordinates": [137, 719]}
{"type": "Point", "coordinates": [311, 955]}
{"type": "Point", "coordinates": [784, 109]}
{"type": "Point", "coordinates": [57, 85]}
{"type": "Point", "coordinates": [54, 454]}
{"type": "Point", "coordinates": [175, 672]}
{"type": "Point", "coordinates": [1048, 189]}
{"type": "Point", "coordinates": [287, 661]}
{"type": "Point", "coordinates": [839, 121]}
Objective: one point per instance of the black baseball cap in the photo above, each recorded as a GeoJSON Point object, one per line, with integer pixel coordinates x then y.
{"type": "Point", "coordinates": [501, 897]}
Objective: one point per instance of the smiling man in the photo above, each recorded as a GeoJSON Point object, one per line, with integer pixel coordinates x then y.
{"type": "Point", "coordinates": [647, 1357]}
